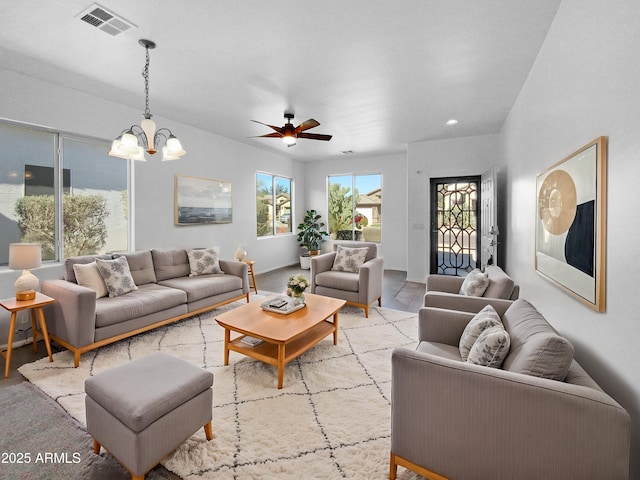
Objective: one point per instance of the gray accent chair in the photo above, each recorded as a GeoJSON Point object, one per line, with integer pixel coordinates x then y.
{"type": "Point", "coordinates": [443, 291]}
{"type": "Point", "coordinates": [452, 419]}
{"type": "Point", "coordinates": [359, 289]}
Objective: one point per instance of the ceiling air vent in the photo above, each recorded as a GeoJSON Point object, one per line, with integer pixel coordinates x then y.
{"type": "Point", "coordinates": [107, 21]}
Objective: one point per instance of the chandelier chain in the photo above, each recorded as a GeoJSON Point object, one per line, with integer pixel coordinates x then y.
{"type": "Point", "coordinates": [145, 75]}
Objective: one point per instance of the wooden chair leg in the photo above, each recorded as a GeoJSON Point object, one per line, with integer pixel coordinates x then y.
{"type": "Point", "coordinates": [366, 311]}
{"type": "Point", "coordinates": [208, 431]}
{"type": "Point", "coordinates": [96, 447]}
{"type": "Point", "coordinates": [393, 467]}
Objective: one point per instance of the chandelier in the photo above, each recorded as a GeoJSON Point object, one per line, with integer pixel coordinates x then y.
{"type": "Point", "coordinates": [135, 140]}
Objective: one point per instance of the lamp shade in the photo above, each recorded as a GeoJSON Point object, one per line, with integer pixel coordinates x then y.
{"type": "Point", "coordinates": [24, 256]}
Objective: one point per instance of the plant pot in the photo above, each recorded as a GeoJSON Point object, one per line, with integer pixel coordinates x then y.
{"type": "Point", "coordinates": [305, 262]}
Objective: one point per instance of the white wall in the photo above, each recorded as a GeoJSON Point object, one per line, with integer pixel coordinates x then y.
{"type": "Point", "coordinates": [434, 159]}
{"type": "Point", "coordinates": [394, 198]}
{"type": "Point", "coordinates": [30, 100]}
{"type": "Point", "coordinates": [585, 83]}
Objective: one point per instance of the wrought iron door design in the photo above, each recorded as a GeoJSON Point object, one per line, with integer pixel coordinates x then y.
{"type": "Point", "coordinates": [454, 225]}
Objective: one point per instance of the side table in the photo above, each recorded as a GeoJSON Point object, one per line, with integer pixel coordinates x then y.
{"type": "Point", "coordinates": [14, 306]}
{"type": "Point", "coordinates": [252, 274]}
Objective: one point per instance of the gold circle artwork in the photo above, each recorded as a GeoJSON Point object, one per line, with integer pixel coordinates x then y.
{"type": "Point", "coordinates": [557, 202]}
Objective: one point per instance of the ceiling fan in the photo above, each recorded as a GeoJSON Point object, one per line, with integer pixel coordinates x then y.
{"type": "Point", "coordinates": [289, 133]}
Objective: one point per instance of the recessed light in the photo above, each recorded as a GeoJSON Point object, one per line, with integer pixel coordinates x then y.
{"type": "Point", "coordinates": [453, 121]}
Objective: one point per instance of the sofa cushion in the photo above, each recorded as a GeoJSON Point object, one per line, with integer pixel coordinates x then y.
{"type": "Point", "coordinates": [148, 299]}
{"type": "Point", "coordinates": [69, 274]}
{"type": "Point", "coordinates": [500, 284]}
{"type": "Point", "coordinates": [140, 265]}
{"type": "Point", "coordinates": [89, 276]}
{"type": "Point", "coordinates": [203, 286]}
{"type": "Point", "coordinates": [344, 281]}
{"type": "Point", "coordinates": [536, 348]}
{"type": "Point", "coordinates": [485, 318]}
{"type": "Point", "coordinates": [203, 261]}
{"type": "Point", "coordinates": [170, 263]}
{"type": "Point", "coordinates": [117, 276]}
{"type": "Point", "coordinates": [474, 284]}
{"type": "Point", "coordinates": [349, 259]}
{"type": "Point", "coordinates": [491, 347]}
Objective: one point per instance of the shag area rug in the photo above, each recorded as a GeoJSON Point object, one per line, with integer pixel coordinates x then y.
{"type": "Point", "coordinates": [331, 419]}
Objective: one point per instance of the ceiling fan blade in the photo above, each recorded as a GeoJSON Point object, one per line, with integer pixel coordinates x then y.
{"type": "Point", "coordinates": [307, 125]}
{"type": "Point", "coordinates": [315, 136]}
{"type": "Point", "coordinates": [277, 129]}
{"type": "Point", "coordinates": [268, 135]}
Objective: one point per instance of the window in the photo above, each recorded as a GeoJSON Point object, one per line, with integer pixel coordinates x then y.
{"type": "Point", "coordinates": [273, 205]}
{"type": "Point", "coordinates": [355, 207]}
{"type": "Point", "coordinates": [61, 191]}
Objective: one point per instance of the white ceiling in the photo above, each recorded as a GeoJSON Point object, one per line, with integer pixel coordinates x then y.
{"type": "Point", "coordinates": [377, 74]}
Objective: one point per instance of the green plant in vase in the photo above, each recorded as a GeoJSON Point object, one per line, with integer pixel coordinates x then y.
{"type": "Point", "coordinates": [310, 233]}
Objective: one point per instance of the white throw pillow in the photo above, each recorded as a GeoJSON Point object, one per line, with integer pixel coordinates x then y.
{"type": "Point", "coordinates": [117, 276]}
{"type": "Point", "coordinates": [485, 318]}
{"type": "Point", "coordinates": [474, 284]}
{"type": "Point", "coordinates": [203, 261]}
{"type": "Point", "coordinates": [491, 347]}
{"type": "Point", "coordinates": [349, 259]}
{"type": "Point", "coordinates": [89, 276]}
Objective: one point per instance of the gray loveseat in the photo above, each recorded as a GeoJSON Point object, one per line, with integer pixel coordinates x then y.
{"type": "Point", "coordinates": [462, 420]}
{"type": "Point", "coordinates": [165, 293]}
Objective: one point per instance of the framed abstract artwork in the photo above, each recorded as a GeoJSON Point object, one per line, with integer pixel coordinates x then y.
{"type": "Point", "coordinates": [571, 223]}
{"type": "Point", "coordinates": [200, 201]}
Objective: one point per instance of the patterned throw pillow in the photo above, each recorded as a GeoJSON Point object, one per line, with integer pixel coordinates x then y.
{"type": "Point", "coordinates": [485, 318]}
{"type": "Point", "coordinates": [491, 347]}
{"type": "Point", "coordinates": [203, 261]}
{"type": "Point", "coordinates": [89, 276]}
{"type": "Point", "coordinates": [475, 283]}
{"type": "Point", "coordinates": [349, 259]}
{"type": "Point", "coordinates": [117, 276]}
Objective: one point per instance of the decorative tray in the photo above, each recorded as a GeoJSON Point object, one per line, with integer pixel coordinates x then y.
{"type": "Point", "coordinates": [281, 304]}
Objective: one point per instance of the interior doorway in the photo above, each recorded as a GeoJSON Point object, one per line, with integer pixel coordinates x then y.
{"type": "Point", "coordinates": [455, 220]}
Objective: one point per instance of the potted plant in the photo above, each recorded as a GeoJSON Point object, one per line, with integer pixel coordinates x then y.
{"type": "Point", "coordinates": [310, 236]}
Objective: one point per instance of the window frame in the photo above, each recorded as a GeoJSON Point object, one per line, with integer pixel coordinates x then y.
{"type": "Point", "coordinates": [354, 204]}
{"type": "Point", "coordinates": [58, 137]}
{"type": "Point", "coordinates": [274, 221]}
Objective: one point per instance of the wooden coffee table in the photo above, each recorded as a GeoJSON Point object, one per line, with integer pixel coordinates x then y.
{"type": "Point", "coordinates": [285, 336]}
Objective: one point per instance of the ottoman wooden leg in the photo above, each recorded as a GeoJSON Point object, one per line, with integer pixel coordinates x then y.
{"type": "Point", "coordinates": [96, 447]}
{"type": "Point", "coordinates": [208, 431]}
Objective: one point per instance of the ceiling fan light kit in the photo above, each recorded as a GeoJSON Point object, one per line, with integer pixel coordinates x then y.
{"type": "Point", "coordinates": [135, 140]}
{"type": "Point", "coordinates": [290, 134]}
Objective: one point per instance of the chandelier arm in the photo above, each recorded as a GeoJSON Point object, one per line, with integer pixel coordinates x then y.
{"type": "Point", "coordinates": [161, 134]}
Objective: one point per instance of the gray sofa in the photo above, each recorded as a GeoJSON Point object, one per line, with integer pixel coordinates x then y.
{"type": "Point", "coordinates": [461, 420]}
{"type": "Point", "coordinates": [165, 293]}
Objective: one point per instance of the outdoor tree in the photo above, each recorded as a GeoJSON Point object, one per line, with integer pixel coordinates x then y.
{"type": "Point", "coordinates": [340, 207]}
{"type": "Point", "coordinates": [263, 223]}
{"type": "Point", "coordinates": [84, 228]}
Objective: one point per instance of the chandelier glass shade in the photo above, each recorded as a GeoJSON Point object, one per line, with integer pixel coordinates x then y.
{"type": "Point", "coordinates": [133, 142]}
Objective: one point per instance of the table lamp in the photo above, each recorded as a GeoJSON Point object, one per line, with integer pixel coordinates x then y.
{"type": "Point", "coordinates": [25, 256]}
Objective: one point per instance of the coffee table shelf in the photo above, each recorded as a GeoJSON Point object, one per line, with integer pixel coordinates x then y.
{"type": "Point", "coordinates": [268, 352]}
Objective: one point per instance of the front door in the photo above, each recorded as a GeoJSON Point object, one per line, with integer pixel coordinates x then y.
{"type": "Point", "coordinates": [455, 221]}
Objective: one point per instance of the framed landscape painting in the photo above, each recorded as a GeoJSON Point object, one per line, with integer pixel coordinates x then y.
{"type": "Point", "coordinates": [571, 223]}
{"type": "Point", "coordinates": [200, 201]}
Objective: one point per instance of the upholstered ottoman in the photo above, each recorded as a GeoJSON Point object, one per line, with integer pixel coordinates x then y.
{"type": "Point", "coordinates": [143, 410]}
